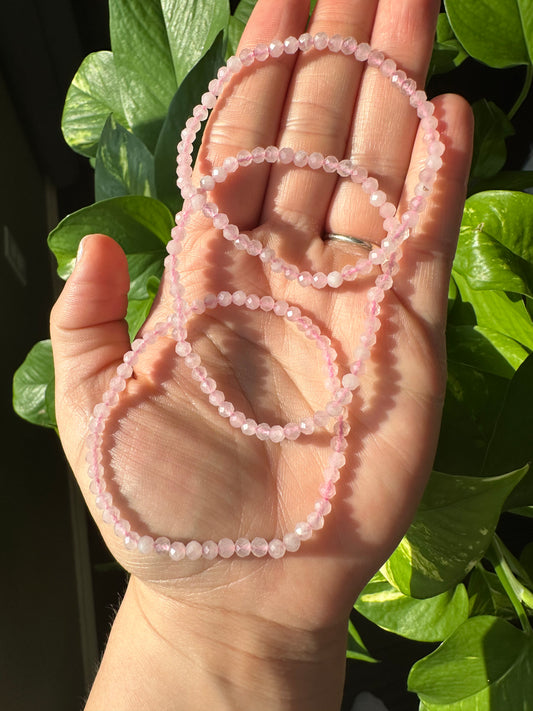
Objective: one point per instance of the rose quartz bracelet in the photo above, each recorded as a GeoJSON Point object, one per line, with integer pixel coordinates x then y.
{"type": "Point", "coordinates": [386, 256]}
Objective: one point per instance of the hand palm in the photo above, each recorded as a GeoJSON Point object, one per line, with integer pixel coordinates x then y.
{"type": "Point", "coordinates": [183, 470]}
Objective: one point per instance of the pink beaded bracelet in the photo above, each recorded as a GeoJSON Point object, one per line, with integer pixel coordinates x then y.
{"type": "Point", "coordinates": [386, 256]}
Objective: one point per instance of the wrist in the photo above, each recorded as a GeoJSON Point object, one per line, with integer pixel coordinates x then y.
{"type": "Point", "coordinates": [180, 656]}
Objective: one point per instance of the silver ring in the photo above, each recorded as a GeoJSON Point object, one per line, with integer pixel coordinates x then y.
{"type": "Point", "coordinates": [347, 238]}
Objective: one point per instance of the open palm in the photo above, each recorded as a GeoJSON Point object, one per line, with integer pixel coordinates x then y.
{"type": "Point", "coordinates": [180, 470]}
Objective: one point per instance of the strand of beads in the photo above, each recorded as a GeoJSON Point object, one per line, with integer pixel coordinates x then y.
{"type": "Point", "coordinates": [387, 256]}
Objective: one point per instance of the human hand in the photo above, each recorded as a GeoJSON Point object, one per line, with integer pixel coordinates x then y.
{"type": "Point", "coordinates": [181, 471]}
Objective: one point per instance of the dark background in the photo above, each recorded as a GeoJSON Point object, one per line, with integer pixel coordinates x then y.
{"type": "Point", "coordinates": [60, 587]}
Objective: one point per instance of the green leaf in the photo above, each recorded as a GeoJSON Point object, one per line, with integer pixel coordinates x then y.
{"type": "Point", "coordinates": [447, 50]}
{"type": "Point", "coordinates": [355, 648]}
{"type": "Point", "coordinates": [34, 386]}
{"type": "Point", "coordinates": [92, 96]}
{"type": "Point", "coordinates": [496, 32]}
{"type": "Point", "coordinates": [181, 107]}
{"type": "Point", "coordinates": [511, 445]}
{"type": "Point", "coordinates": [192, 28]}
{"type": "Point", "coordinates": [495, 249]}
{"type": "Point", "coordinates": [140, 225]}
{"type": "Point", "coordinates": [485, 350]}
{"type": "Point", "coordinates": [429, 620]}
{"type": "Point", "coordinates": [505, 180]}
{"type": "Point", "coordinates": [124, 166]}
{"type": "Point", "coordinates": [487, 596]}
{"type": "Point", "coordinates": [497, 311]}
{"type": "Point", "coordinates": [451, 531]}
{"type": "Point", "coordinates": [492, 127]}
{"type": "Point", "coordinates": [138, 309]}
{"type": "Point", "coordinates": [486, 665]}
{"type": "Point", "coordinates": [144, 65]}
{"type": "Point", "coordinates": [235, 30]}
{"type": "Point", "coordinates": [244, 10]}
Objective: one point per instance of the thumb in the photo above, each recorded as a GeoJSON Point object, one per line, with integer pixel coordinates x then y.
{"type": "Point", "coordinates": [89, 334]}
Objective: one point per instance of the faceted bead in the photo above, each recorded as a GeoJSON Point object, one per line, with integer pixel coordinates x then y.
{"type": "Point", "coordinates": [226, 548]}
{"type": "Point", "coordinates": [300, 159]}
{"type": "Point", "coordinates": [334, 279]}
{"type": "Point", "coordinates": [226, 409]}
{"type": "Point", "coordinates": [315, 520]}
{"type": "Point", "coordinates": [244, 158]}
{"type": "Point", "coordinates": [249, 427]}
{"type": "Point", "coordinates": [162, 545]}
{"type": "Point", "coordinates": [335, 43]}
{"type": "Point", "coordinates": [349, 45]}
{"type": "Point", "coordinates": [303, 530]}
{"type": "Point", "coordinates": [323, 507]}
{"type": "Point", "coordinates": [305, 42]}
{"type": "Point", "coordinates": [327, 490]}
{"type": "Point", "coordinates": [237, 419]}
{"type": "Point", "coordinates": [103, 501]}
{"type": "Point", "coordinates": [292, 542]}
{"type": "Point", "coordinates": [145, 544]}
{"type": "Point", "coordinates": [363, 51]}
{"type": "Point", "coordinates": [177, 551]}
{"type": "Point", "coordinates": [375, 58]}
{"type": "Point", "coordinates": [261, 52]}
{"type": "Point", "coordinates": [243, 547]}
{"type": "Point", "coordinates": [276, 548]}
{"type": "Point", "coordinates": [122, 528]}
{"type": "Point", "coordinates": [131, 540]}
{"type": "Point", "coordinates": [321, 418]}
{"type": "Point", "coordinates": [209, 550]}
{"type": "Point", "coordinates": [224, 298]}
{"type": "Point", "coordinates": [378, 198]}
{"type": "Point", "coordinates": [276, 434]}
{"type": "Point", "coordinates": [271, 154]}
{"type": "Point", "coordinates": [315, 160]}
{"type": "Point", "coordinates": [258, 154]}
{"type": "Point", "coordinates": [276, 48]}
{"type": "Point", "coordinates": [350, 381]}
{"type": "Point", "coordinates": [320, 40]}
{"type": "Point", "coordinates": [246, 56]}
{"type": "Point", "coordinates": [230, 164]}
{"type": "Point", "coordinates": [263, 431]}
{"type": "Point", "coordinates": [286, 155]}
{"type": "Point", "coordinates": [370, 185]}
{"type": "Point", "coordinates": [259, 547]}
{"type": "Point", "coordinates": [193, 550]}
{"type": "Point", "coordinates": [319, 280]}
{"type": "Point", "coordinates": [230, 232]}
{"type": "Point", "coordinates": [266, 303]}
{"type": "Point", "coordinates": [291, 431]}
{"type": "Point", "coordinates": [291, 45]}
{"type": "Point", "coordinates": [220, 221]}
{"type": "Point", "coordinates": [252, 302]}
{"type": "Point", "coordinates": [217, 398]}
{"type": "Point", "coordinates": [387, 67]}
{"type": "Point", "coordinates": [307, 426]}
{"type": "Point", "coordinates": [183, 348]}
{"type": "Point", "coordinates": [219, 174]}
{"type": "Point", "coordinates": [239, 297]}
{"type": "Point", "coordinates": [293, 313]}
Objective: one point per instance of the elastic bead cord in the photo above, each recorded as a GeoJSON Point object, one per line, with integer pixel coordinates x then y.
{"type": "Point", "coordinates": [385, 257]}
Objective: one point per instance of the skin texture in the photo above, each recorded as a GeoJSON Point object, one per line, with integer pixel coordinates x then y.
{"type": "Point", "coordinates": [188, 634]}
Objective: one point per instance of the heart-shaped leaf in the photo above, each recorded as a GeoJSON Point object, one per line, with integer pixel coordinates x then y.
{"type": "Point", "coordinates": [93, 95]}
{"type": "Point", "coordinates": [140, 225]}
{"type": "Point", "coordinates": [495, 249]}
{"type": "Point", "coordinates": [451, 531]}
{"type": "Point", "coordinates": [138, 309]}
{"type": "Point", "coordinates": [355, 649]}
{"type": "Point", "coordinates": [34, 385]}
{"type": "Point", "coordinates": [483, 349]}
{"type": "Point", "coordinates": [447, 50]}
{"type": "Point", "coordinates": [429, 620]}
{"type": "Point", "coordinates": [492, 127]}
{"type": "Point", "coordinates": [124, 166]}
{"type": "Point", "coordinates": [487, 596]}
{"type": "Point", "coordinates": [486, 665]}
{"type": "Point", "coordinates": [497, 32]}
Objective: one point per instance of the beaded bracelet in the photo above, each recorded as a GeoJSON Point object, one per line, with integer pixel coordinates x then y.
{"type": "Point", "coordinates": [386, 256]}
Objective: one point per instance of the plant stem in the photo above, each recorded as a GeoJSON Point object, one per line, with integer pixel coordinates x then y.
{"type": "Point", "coordinates": [523, 94]}
{"type": "Point", "coordinates": [514, 590]}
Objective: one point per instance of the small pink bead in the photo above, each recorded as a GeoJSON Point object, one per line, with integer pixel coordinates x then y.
{"type": "Point", "coordinates": [162, 545]}
{"type": "Point", "coordinates": [254, 247]}
{"type": "Point", "coordinates": [263, 431]}
{"type": "Point", "coordinates": [230, 164]}
{"type": "Point", "coordinates": [375, 294]}
{"type": "Point", "coordinates": [244, 158]}
{"type": "Point", "coordinates": [290, 272]}
{"type": "Point", "coordinates": [436, 148]}
{"type": "Point", "coordinates": [266, 303]}
{"type": "Point", "coordinates": [337, 459]}
{"type": "Point", "coordinates": [319, 280]}
{"type": "Point", "coordinates": [230, 232]}
{"type": "Point", "coordinates": [224, 298]}
{"type": "Point", "coordinates": [209, 210]}
{"type": "Point", "coordinates": [345, 167]}
{"type": "Point", "coordinates": [266, 255]}
{"type": "Point", "coordinates": [286, 155]}
{"type": "Point", "coordinates": [276, 548]}
{"type": "Point", "coordinates": [243, 547]}
{"type": "Point", "coordinates": [375, 58]}
{"type": "Point", "coordinates": [209, 550]}
{"type": "Point", "coordinates": [334, 409]}
{"type": "Point", "coordinates": [226, 548]}
{"type": "Point", "coordinates": [124, 370]}
{"type": "Point", "coordinates": [362, 52]}
{"type": "Point", "coordinates": [216, 398]}
{"type": "Point", "coordinates": [359, 174]}
{"type": "Point", "coordinates": [370, 185]}
{"type": "Point", "coordinates": [410, 218]}
{"type": "Point", "coordinates": [334, 279]}
{"type": "Point", "coordinates": [307, 426]}
{"type": "Point", "coordinates": [145, 545]}
{"type": "Point", "coordinates": [237, 419]}
{"type": "Point", "coordinates": [388, 67]}
{"type": "Point", "coordinates": [193, 550]}
{"type": "Point", "coordinates": [117, 384]}
{"type": "Point", "coordinates": [246, 56]}
{"type": "Point", "coordinates": [300, 159]}
{"type": "Point", "coordinates": [234, 64]}
{"type": "Point", "coordinates": [418, 98]}
{"type": "Point", "coordinates": [292, 542]}
{"type": "Point", "coordinates": [330, 164]}
{"type": "Point", "coordinates": [315, 520]}
{"type": "Point", "coordinates": [271, 154]}
{"type": "Point", "coordinates": [103, 501]}
{"type": "Point", "coordinates": [427, 177]}
{"type": "Point", "coordinates": [349, 45]}
{"type": "Point", "coordinates": [293, 313]}
{"type": "Point", "coordinates": [249, 427]}
{"type": "Point", "coordinates": [97, 486]}
{"type": "Point", "coordinates": [305, 42]}
{"type": "Point", "coordinates": [276, 434]}
{"type": "Point", "coordinates": [434, 163]}
{"type": "Point", "coordinates": [398, 77]}
{"type": "Point", "coordinates": [198, 373]}
{"type": "Point", "coordinates": [315, 160]}
{"type": "Point", "coordinates": [131, 539]}
{"type": "Point", "coordinates": [122, 528]}
{"type": "Point", "coordinates": [321, 418]}
{"type": "Point", "coordinates": [303, 530]}
{"type": "Point", "coordinates": [323, 507]}
{"type": "Point", "coordinates": [252, 302]}
{"type": "Point", "coordinates": [408, 87]}
{"type": "Point", "coordinates": [291, 45]}
{"type": "Point", "coordinates": [338, 443]}
{"type": "Point", "coordinates": [239, 297]}
{"type": "Point", "coordinates": [208, 100]}
{"type": "Point", "coordinates": [219, 174]}
{"type": "Point", "coordinates": [426, 109]}
{"type": "Point", "coordinates": [341, 427]}
{"type": "Point", "coordinates": [378, 198]}
{"type": "Point", "coordinates": [320, 40]}
{"type": "Point", "coordinates": [276, 48]}
{"type": "Point", "coordinates": [226, 409]}
{"type": "Point", "coordinates": [259, 547]}
{"type": "Point", "coordinates": [429, 124]}
{"type": "Point", "coordinates": [261, 52]}
{"type": "Point", "coordinates": [291, 431]}
{"type": "Point", "coordinates": [327, 491]}
{"type": "Point", "coordinates": [280, 308]}
{"type": "Point", "coordinates": [418, 203]}
{"type": "Point", "coordinates": [258, 154]}
{"type": "Point", "coordinates": [177, 551]}
{"type": "Point", "coordinates": [335, 43]}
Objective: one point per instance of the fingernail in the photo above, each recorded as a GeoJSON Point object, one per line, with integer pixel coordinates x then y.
{"type": "Point", "coordinates": [79, 253]}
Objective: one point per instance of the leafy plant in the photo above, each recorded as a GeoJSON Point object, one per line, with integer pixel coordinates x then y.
{"type": "Point", "coordinates": [452, 580]}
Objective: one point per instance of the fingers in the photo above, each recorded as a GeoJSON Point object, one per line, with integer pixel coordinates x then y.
{"type": "Point", "coordinates": [320, 104]}
{"type": "Point", "coordinates": [384, 124]}
{"type": "Point", "coordinates": [89, 333]}
{"type": "Point", "coordinates": [251, 118]}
